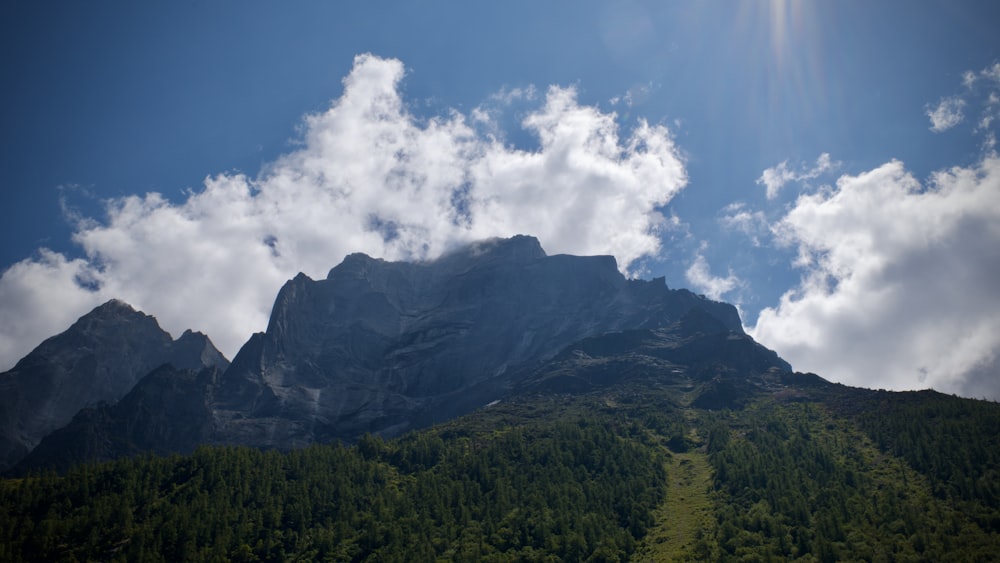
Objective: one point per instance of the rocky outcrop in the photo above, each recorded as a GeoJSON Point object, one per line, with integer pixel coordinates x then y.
{"type": "Point", "coordinates": [99, 358]}
{"type": "Point", "coordinates": [709, 365]}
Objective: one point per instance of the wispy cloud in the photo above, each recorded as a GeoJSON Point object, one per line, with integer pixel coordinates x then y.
{"type": "Point", "coordinates": [899, 281]}
{"type": "Point", "coordinates": [946, 114]}
{"type": "Point", "coordinates": [968, 79]}
{"type": "Point", "coordinates": [490, 111]}
{"type": "Point", "coordinates": [636, 95]}
{"type": "Point", "coordinates": [700, 277]}
{"type": "Point", "coordinates": [992, 73]}
{"type": "Point", "coordinates": [981, 93]}
{"type": "Point", "coordinates": [368, 176]}
{"type": "Point", "coordinates": [737, 217]}
{"type": "Point", "coordinates": [776, 177]}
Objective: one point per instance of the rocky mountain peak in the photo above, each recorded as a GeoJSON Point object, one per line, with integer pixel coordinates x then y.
{"type": "Point", "coordinates": [112, 307]}
{"type": "Point", "coordinates": [99, 358]}
{"type": "Point", "coordinates": [379, 346]}
{"type": "Point", "coordinates": [356, 264]}
{"type": "Point", "coordinates": [517, 249]}
{"type": "Point", "coordinates": [194, 351]}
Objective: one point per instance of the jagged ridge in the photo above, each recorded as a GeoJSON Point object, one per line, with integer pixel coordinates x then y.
{"type": "Point", "coordinates": [384, 347]}
{"type": "Point", "coordinates": [99, 358]}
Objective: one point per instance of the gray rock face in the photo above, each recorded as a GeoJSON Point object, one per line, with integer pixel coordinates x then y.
{"type": "Point", "coordinates": [99, 358]}
{"type": "Point", "coordinates": [168, 411]}
{"type": "Point", "coordinates": [386, 346]}
{"type": "Point", "coordinates": [707, 364]}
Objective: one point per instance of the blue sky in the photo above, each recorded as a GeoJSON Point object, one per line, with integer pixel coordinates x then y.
{"type": "Point", "coordinates": [782, 155]}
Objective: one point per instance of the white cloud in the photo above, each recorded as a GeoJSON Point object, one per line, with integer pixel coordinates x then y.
{"type": "Point", "coordinates": [947, 114]}
{"type": "Point", "coordinates": [990, 142]}
{"type": "Point", "coordinates": [489, 112]}
{"type": "Point", "coordinates": [969, 79]}
{"type": "Point", "coordinates": [982, 91]}
{"type": "Point", "coordinates": [776, 177]}
{"type": "Point", "coordinates": [35, 298]}
{"type": "Point", "coordinates": [899, 288]}
{"type": "Point", "coordinates": [699, 275]}
{"type": "Point", "coordinates": [991, 72]}
{"type": "Point", "coordinates": [638, 94]}
{"type": "Point", "coordinates": [369, 176]}
{"type": "Point", "coordinates": [736, 217]}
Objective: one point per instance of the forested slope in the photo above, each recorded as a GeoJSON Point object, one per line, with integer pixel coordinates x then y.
{"type": "Point", "coordinates": [554, 489]}
{"type": "Point", "coordinates": [806, 471]}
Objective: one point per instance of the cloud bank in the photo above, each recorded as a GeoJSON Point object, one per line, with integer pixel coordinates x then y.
{"type": "Point", "coordinates": [899, 286]}
{"type": "Point", "coordinates": [368, 176]}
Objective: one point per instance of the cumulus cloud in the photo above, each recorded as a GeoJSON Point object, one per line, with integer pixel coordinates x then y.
{"type": "Point", "coordinates": [699, 275]}
{"type": "Point", "coordinates": [946, 114]}
{"type": "Point", "coordinates": [368, 176]}
{"type": "Point", "coordinates": [35, 297]}
{"type": "Point", "coordinates": [776, 177]}
{"type": "Point", "coordinates": [899, 281]}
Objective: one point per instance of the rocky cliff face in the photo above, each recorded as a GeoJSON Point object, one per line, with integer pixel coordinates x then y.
{"type": "Point", "coordinates": [168, 411]}
{"type": "Point", "coordinates": [379, 345]}
{"type": "Point", "coordinates": [706, 364]}
{"type": "Point", "coordinates": [99, 358]}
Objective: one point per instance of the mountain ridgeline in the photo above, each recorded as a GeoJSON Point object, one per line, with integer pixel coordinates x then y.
{"type": "Point", "coordinates": [384, 347]}
{"type": "Point", "coordinates": [494, 404]}
{"type": "Point", "coordinates": [98, 359]}
{"type": "Point", "coordinates": [377, 347]}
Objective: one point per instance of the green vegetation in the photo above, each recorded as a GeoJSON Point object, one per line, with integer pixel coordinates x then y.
{"type": "Point", "coordinates": [954, 442]}
{"type": "Point", "coordinates": [629, 472]}
{"type": "Point", "coordinates": [792, 482]}
{"type": "Point", "coordinates": [581, 490]}
{"type": "Point", "coordinates": [686, 515]}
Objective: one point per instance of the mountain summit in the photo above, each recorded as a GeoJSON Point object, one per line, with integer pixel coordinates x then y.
{"type": "Point", "coordinates": [382, 346]}
{"type": "Point", "coordinates": [99, 358]}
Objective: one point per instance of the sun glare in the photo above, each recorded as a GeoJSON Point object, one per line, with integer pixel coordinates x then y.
{"type": "Point", "coordinates": [780, 42]}
{"type": "Point", "coordinates": [784, 26]}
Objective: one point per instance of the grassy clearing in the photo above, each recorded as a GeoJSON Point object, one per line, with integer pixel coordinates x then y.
{"type": "Point", "coordinates": [685, 515]}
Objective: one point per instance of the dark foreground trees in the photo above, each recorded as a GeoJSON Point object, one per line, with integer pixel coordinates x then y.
{"type": "Point", "coordinates": [563, 491]}
{"type": "Point", "coordinates": [832, 476]}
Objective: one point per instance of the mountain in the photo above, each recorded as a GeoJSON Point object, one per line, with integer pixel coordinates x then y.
{"type": "Point", "coordinates": [384, 347]}
{"type": "Point", "coordinates": [172, 410]}
{"type": "Point", "coordinates": [168, 411]}
{"type": "Point", "coordinates": [98, 359]}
